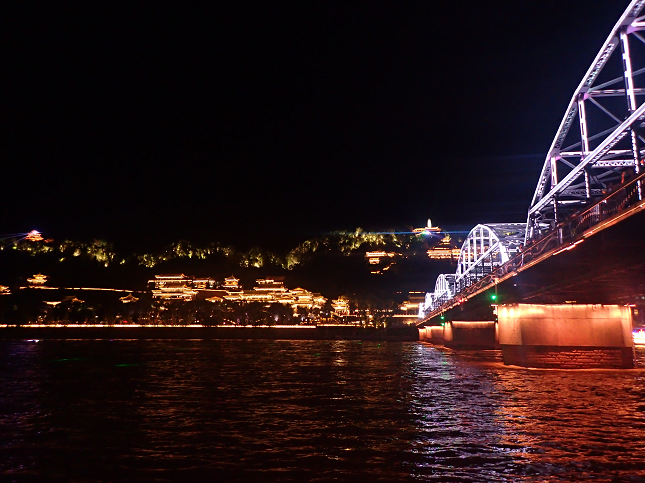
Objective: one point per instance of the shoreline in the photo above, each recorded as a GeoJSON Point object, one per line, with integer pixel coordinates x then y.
{"type": "Point", "coordinates": [399, 334]}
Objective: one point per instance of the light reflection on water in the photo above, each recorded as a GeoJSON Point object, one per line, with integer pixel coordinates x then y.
{"type": "Point", "coordinates": [193, 410]}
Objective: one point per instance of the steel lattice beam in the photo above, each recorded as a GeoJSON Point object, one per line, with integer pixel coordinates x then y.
{"type": "Point", "coordinates": [594, 160]}
{"type": "Point", "coordinates": [571, 176]}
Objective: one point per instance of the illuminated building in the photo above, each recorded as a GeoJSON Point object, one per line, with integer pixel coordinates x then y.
{"type": "Point", "coordinates": [4, 290]}
{"type": "Point", "coordinates": [37, 281]}
{"type": "Point", "coordinates": [426, 230]}
{"type": "Point", "coordinates": [374, 258]}
{"type": "Point", "coordinates": [340, 306]}
{"type": "Point", "coordinates": [444, 250]}
{"type": "Point", "coordinates": [173, 287]}
{"type": "Point", "coordinates": [412, 304]}
{"type": "Point", "coordinates": [34, 235]}
{"type": "Point", "coordinates": [444, 253]}
{"type": "Point", "coordinates": [270, 285]}
{"type": "Point", "coordinates": [128, 298]}
{"type": "Point", "coordinates": [302, 298]}
{"type": "Point", "coordinates": [217, 295]}
{"type": "Point", "coordinates": [384, 259]}
{"type": "Point", "coordinates": [203, 283]}
{"type": "Point", "coordinates": [231, 283]}
{"type": "Point", "coordinates": [269, 291]}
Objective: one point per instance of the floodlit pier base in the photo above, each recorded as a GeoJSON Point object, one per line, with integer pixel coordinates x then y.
{"type": "Point", "coordinates": [462, 335]}
{"type": "Point", "coordinates": [433, 335]}
{"type": "Point", "coordinates": [470, 335]}
{"type": "Point", "coordinates": [566, 336]}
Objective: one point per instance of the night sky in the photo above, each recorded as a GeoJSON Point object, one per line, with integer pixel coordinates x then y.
{"type": "Point", "coordinates": [267, 123]}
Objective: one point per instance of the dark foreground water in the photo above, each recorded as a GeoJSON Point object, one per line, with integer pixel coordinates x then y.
{"type": "Point", "coordinates": [197, 410]}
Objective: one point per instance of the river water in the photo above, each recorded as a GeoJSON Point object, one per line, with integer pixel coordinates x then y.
{"type": "Point", "coordinates": [257, 410]}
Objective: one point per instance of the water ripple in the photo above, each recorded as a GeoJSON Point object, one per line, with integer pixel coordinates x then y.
{"type": "Point", "coordinates": [173, 410]}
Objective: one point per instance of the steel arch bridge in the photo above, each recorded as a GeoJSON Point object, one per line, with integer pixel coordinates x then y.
{"type": "Point", "coordinates": [594, 170]}
{"type": "Point", "coordinates": [486, 248]}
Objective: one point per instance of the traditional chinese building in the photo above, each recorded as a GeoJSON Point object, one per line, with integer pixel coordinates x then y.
{"type": "Point", "coordinates": [204, 283]}
{"type": "Point", "coordinates": [340, 307]}
{"type": "Point", "coordinates": [231, 283]}
{"type": "Point", "coordinates": [34, 235]}
{"type": "Point", "coordinates": [173, 287]}
{"type": "Point", "coordinates": [444, 250]}
{"type": "Point", "coordinates": [37, 281]}
{"type": "Point", "coordinates": [427, 230]}
{"type": "Point", "coordinates": [267, 290]}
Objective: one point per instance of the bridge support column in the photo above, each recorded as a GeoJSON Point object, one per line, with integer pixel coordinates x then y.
{"type": "Point", "coordinates": [566, 336]}
{"type": "Point", "coordinates": [470, 335]}
{"type": "Point", "coordinates": [433, 335]}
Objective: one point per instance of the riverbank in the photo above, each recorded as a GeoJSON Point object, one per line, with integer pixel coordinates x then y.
{"type": "Point", "coordinates": [179, 332]}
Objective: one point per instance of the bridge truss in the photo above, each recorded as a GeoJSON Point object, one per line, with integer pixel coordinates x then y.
{"type": "Point", "coordinates": [601, 140]}
{"type": "Point", "coordinates": [599, 147]}
{"type": "Point", "coordinates": [486, 248]}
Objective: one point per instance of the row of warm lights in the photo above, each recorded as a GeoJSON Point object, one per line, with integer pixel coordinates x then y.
{"type": "Point", "coordinates": [639, 337]}
{"type": "Point", "coordinates": [159, 325]}
{"type": "Point", "coordinates": [80, 288]}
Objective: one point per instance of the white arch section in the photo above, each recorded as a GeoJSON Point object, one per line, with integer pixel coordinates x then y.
{"type": "Point", "coordinates": [485, 248]}
{"type": "Point", "coordinates": [489, 246]}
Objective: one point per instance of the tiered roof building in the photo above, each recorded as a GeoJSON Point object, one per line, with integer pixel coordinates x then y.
{"type": "Point", "coordinates": [267, 290]}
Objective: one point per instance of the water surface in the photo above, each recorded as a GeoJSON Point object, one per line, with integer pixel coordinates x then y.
{"type": "Point", "coordinates": [230, 410]}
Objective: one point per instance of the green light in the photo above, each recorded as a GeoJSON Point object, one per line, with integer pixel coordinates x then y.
{"type": "Point", "coordinates": [442, 317]}
{"type": "Point", "coordinates": [493, 297]}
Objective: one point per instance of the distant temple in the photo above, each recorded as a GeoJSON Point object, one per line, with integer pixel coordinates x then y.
{"type": "Point", "coordinates": [37, 281]}
{"type": "Point", "coordinates": [340, 306]}
{"type": "Point", "coordinates": [444, 250]}
{"type": "Point", "coordinates": [426, 230]}
{"type": "Point", "coordinates": [34, 235]}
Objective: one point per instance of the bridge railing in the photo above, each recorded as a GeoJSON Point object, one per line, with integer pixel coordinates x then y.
{"type": "Point", "coordinates": [622, 198]}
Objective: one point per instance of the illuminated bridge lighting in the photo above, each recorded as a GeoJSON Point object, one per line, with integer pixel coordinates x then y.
{"type": "Point", "coordinates": [639, 337]}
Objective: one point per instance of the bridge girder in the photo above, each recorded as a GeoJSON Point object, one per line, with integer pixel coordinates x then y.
{"type": "Point", "coordinates": [610, 142]}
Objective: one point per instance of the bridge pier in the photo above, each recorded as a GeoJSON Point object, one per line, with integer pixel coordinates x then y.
{"type": "Point", "coordinates": [433, 334]}
{"type": "Point", "coordinates": [567, 336]}
{"type": "Point", "coordinates": [470, 335]}
{"type": "Point", "coordinates": [462, 335]}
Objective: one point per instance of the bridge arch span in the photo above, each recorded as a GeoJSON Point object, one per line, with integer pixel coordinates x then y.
{"type": "Point", "coordinates": [486, 247]}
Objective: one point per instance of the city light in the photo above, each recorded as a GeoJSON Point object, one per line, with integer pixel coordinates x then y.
{"type": "Point", "coordinates": [639, 337]}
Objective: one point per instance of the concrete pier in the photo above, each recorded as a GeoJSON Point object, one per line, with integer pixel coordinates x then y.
{"type": "Point", "coordinates": [470, 335]}
{"type": "Point", "coordinates": [567, 336]}
{"type": "Point", "coordinates": [433, 335]}
{"type": "Point", "coordinates": [462, 335]}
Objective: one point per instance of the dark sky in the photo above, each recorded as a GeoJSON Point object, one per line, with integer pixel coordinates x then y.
{"type": "Point", "coordinates": [266, 123]}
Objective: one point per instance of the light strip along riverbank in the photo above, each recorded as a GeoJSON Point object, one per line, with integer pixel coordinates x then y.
{"type": "Point", "coordinates": [183, 332]}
